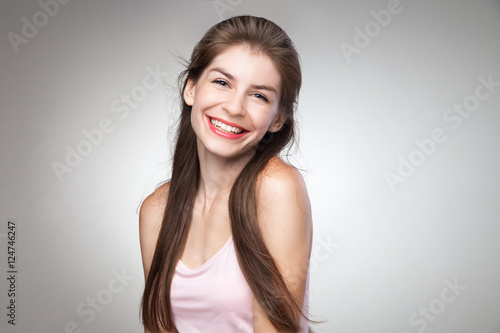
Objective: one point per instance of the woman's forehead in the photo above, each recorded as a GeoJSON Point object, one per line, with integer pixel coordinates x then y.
{"type": "Point", "coordinates": [245, 65]}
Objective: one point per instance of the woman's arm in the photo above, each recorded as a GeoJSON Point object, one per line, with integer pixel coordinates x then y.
{"type": "Point", "coordinates": [284, 215]}
{"type": "Point", "coordinates": [150, 219]}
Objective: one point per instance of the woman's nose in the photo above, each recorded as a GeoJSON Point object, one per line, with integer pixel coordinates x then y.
{"type": "Point", "coordinates": [235, 104]}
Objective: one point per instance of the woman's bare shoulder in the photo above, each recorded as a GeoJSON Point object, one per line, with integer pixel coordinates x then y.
{"type": "Point", "coordinates": [153, 206]}
{"type": "Point", "coordinates": [284, 217]}
{"type": "Point", "coordinates": [281, 188]}
{"type": "Point", "coordinates": [279, 174]}
{"type": "Point", "coordinates": [150, 220]}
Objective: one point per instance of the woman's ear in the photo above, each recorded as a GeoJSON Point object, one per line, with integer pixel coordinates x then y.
{"type": "Point", "coordinates": [189, 92]}
{"type": "Point", "coordinates": [277, 123]}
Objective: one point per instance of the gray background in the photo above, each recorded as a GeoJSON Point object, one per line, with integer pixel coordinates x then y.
{"type": "Point", "coordinates": [382, 255]}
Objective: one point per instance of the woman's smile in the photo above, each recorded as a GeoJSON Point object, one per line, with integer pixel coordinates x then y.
{"type": "Point", "coordinates": [225, 129]}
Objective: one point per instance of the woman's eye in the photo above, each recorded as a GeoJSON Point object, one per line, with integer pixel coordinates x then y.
{"type": "Point", "coordinates": [221, 82]}
{"type": "Point", "coordinates": [261, 97]}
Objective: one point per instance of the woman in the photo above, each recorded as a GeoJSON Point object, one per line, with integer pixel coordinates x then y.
{"type": "Point", "coordinates": [226, 243]}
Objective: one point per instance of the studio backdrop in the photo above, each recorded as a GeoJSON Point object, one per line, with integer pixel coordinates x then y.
{"type": "Point", "coordinates": [399, 147]}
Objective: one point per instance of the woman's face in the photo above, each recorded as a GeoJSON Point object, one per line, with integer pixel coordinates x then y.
{"type": "Point", "coordinates": [234, 102]}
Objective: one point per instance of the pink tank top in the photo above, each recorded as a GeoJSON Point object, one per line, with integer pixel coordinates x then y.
{"type": "Point", "coordinates": [215, 297]}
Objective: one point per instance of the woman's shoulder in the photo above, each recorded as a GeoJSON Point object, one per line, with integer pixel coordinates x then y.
{"type": "Point", "coordinates": [153, 206]}
{"type": "Point", "coordinates": [281, 188]}
{"type": "Point", "coordinates": [284, 216]}
{"type": "Point", "coordinates": [150, 220]}
{"type": "Point", "coordinates": [278, 175]}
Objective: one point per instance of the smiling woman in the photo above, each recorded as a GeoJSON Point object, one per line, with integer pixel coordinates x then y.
{"type": "Point", "coordinates": [226, 242]}
{"type": "Point", "coordinates": [236, 98]}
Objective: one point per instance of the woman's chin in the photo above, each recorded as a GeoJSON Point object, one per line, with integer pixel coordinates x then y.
{"type": "Point", "coordinates": [228, 153]}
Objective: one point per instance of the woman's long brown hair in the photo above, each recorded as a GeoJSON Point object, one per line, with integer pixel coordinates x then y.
{"type": "Point", "coordinates": [257, 265]}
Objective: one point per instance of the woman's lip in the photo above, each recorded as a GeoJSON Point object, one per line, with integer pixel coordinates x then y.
{"type": "Point", "coordinates": [224, 134]}
{"type": "Point", "coordinates": [229, 123]}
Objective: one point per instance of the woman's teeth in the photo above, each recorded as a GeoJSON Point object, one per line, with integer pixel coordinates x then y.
{"type": "Point", "coordinates": [225, 128]}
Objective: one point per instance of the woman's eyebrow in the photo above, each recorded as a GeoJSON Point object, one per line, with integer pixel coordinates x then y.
{"type": "Point", "coordinates": [254, 86]}
{"type": "Point", "coordinates": [263, 87]}
{"type": "Point", "coordinates": [220, 70]}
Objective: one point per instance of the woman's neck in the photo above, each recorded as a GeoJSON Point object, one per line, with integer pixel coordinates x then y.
{"type": "Point", "coordinates": [217, 174]}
